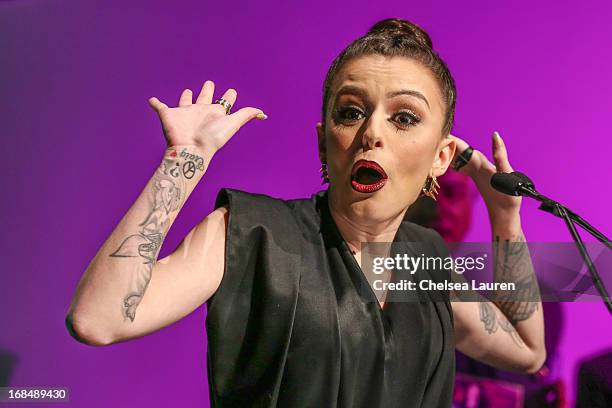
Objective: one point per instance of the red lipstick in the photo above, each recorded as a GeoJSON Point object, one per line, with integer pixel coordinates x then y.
{"type": "Point", "coordinates": [367, 176]}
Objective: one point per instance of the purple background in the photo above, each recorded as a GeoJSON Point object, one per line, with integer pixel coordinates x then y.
{"type": "Point", "coordinates": [80, 142]}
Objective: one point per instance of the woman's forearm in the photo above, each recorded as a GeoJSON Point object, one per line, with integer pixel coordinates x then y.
{"type": "Point", "coordinates": [522, 306]}
{"type": "Point", "coordinates": [116, 279]}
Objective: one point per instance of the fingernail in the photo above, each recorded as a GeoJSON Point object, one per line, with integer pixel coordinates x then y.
{"type": "Point", "coordinates": [262, 116]}
{"type": "Point", "coordinates": [497, 138]}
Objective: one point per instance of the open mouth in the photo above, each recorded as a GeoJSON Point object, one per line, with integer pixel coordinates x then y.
{"type": "Point", "coordinates": [367, 176]}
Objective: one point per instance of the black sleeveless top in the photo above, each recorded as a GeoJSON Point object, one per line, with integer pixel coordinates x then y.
{"type": "Point", "coordinates": [289, 326]}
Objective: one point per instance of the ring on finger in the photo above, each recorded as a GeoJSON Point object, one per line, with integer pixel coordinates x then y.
{"type": "Point", "coordinates": [225, 104]}
{"type": "Point", "coordinates": [463, 158]}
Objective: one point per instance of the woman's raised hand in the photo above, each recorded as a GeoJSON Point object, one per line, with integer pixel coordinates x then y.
{"type": "Point", "coordinates": [480, 169]}
{"type": "Point", "coordinates": [203, 124]}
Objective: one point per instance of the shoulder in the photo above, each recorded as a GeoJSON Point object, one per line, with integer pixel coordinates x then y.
{"type": "Point", "coordinates": [228, 196]}
{"type": "Point", "coordinates": [252, 209]}
{"type": "Point", "coordinates": [254, 204]}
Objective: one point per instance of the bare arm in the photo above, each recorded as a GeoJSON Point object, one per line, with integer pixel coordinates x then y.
{"type": "Point", "coordinates": [509, 331]}
{"type": "Point", "coordinates": [125, 291]}
{"type": "Point", "coordinates": [109, 295]}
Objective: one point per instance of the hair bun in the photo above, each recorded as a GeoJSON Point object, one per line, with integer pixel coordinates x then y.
{"type": "Point", "coordinates": [398, 26]}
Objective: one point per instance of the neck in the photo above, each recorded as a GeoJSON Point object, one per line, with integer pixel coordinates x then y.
{"type": "Point", "coordinates": [358, 227]}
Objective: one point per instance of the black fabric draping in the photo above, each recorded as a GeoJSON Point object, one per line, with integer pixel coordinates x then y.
{"type": "Point", "coordinates": [289, 325]}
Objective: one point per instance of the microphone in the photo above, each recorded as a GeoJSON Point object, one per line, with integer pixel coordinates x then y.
{"type": "Point", "coordinates": [515, 184]}
{"type": "Point", "coordinates": [524, 178]}
{"type": "Point", "coordinates": [518, 184]}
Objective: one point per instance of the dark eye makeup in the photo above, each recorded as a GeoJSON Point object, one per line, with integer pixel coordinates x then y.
{"type": "Point", "coordinates": [406, 118]}
{"type": "Point", "coordinates": [348, 115]}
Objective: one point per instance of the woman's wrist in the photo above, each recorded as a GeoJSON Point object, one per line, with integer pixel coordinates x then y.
{"type": "Point", "coordinates": [193, 152]}
{"type": "Point", "coordinates": [505, 224]}
{"type": "Point", "coordinates": [202, 151]}
{"type": "Point", "coordinates": [188, 162]}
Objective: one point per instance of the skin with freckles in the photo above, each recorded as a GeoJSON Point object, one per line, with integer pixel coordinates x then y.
{"type": "Point", "coordinates": [375, 114]}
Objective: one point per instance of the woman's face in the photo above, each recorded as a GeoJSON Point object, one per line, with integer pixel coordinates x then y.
{"type": "Point", "coordinates": [387, 111]}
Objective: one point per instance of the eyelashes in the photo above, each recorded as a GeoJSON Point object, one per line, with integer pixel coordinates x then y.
{"type": "Point", "coordinates": [350, 115]}
{"type": "Point", "coordinates": [408, 118]}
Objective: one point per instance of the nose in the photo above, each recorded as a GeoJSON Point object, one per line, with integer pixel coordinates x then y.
{"type": "Point", "coordinates": [372, 134]}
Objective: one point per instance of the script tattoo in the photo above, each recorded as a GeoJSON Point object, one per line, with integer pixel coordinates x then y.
{"type": "Point", "coordinates": [165, 198]}
{"type": "Point", "coordinates": [492, 321]}
{"type": "Point", "coordinates": [513, 264]}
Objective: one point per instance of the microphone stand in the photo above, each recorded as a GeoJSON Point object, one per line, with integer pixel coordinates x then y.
{"type": "Point", "coordinates": [553, 208]}
{"type": "Point", "coordinates": [570, 217]}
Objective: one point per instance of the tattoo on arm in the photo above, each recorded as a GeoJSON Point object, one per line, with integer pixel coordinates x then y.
{"type": "Point", "coordinates": [166, 197]}
{"type": "Point", "coordinates": [513, 264]}
{"type": "Point", "coordinates": [492, 321]}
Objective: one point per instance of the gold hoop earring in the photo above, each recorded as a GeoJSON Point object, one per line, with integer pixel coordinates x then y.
{"type": "Point", "coordinates": [430, 189]}
{"type": "Point", "coordinates": [324, 173]}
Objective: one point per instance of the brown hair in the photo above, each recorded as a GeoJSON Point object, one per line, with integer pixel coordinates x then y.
{"type": "Point", "coordinates": [397, 37]}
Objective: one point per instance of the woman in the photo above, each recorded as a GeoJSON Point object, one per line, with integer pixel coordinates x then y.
{"type": "Point", "coordinates": [288, 324]}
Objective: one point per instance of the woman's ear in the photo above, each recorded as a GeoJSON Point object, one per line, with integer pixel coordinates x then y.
{"type": "Point", "coordinates": [321, 141]}
{"type": "Point", "coordinates": [444, 156]}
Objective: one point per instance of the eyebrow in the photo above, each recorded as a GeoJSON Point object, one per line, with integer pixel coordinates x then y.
{"type": "Point", "coordinates": [411, 93]}
{"type": "Point", "coordinates": [357, 91]}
